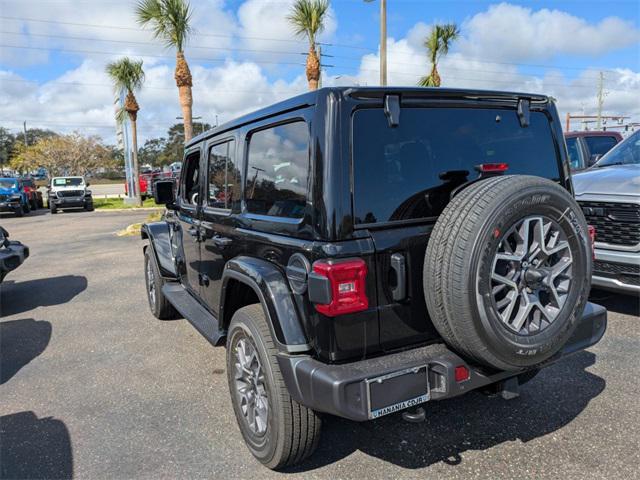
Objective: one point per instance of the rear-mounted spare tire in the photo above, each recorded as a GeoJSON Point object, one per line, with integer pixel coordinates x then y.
{"type": "Point", "coordinates": [507, 271]}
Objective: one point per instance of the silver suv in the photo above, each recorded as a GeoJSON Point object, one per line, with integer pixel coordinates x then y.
{"type": "Point", "coordinates": [609, 194]}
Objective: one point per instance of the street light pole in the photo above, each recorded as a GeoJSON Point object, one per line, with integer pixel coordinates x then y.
{"type": "Point", "coordinates": [383, 41]}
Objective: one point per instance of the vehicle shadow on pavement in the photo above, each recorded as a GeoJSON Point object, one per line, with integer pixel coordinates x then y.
{"type": "Point", "coordinates": [616, 302]}
{"type": "Point", "coordinates": [35, 447]}
{"type": "Point", "coordinates": [472, 422]}
{"type": "Point", "coordinates": [20, 342]}
{"type": "Point", "coordinates": [21, 297]}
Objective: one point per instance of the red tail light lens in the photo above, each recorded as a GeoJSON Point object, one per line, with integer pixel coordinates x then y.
{"type": "Point", "coordinates": [492, 167]}
{"type": "Point", "coordinates": [347, 284]}
{"type": "Point", "coordinates": [462, 373]}
{"type": "Point", "coordinates": [592, 237]}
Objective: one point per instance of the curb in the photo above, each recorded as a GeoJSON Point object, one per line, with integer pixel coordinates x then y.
{"type": "Point", "coordinates": [143, 209]}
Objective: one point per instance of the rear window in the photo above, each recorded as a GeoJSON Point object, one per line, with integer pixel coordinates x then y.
{"type": "Point", "coordinates": [408, 172]}
{"type": "Point", "coordinates": [600, 145]}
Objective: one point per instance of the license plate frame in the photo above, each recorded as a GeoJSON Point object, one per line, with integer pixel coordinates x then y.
{"type": "Point", "coordinates": [396, 380]}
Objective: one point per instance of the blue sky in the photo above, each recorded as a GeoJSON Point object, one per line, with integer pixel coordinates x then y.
{"type": "Point", "coordinates": [244, 48]}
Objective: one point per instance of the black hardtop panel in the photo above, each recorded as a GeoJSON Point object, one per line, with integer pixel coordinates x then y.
{"type": "Point", "coordinates": [364, 94]}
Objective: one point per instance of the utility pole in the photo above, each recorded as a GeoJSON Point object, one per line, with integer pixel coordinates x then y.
{"type": "Point", "coordinates": [24, 125]}
{"type": "Point", "coordinates": [601, 95]}
{"type": "Point", "coordinates": [383, 41]}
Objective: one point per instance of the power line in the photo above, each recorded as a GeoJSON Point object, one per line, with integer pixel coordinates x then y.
{"type": "Point", "coordinates": [271, 39]}
{"type": "Point", "coordinates": [97, 52]}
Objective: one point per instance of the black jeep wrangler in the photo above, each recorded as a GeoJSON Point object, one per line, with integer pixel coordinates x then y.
{"type": "Point", "coordinates": [361, 251]}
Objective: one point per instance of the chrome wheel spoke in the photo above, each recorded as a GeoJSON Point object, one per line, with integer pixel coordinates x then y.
{"type": "Point", "coordinates": [250, 386]}
{"type": "Point", "coordinates": [531, 275]}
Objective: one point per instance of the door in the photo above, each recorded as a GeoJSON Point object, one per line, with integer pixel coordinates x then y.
{"type": "Point", "coordinates": [188, 221]}
{"type": "Point", "coordinates": [403, 179]}
{"type": "Point", "coordinates": [218, 227]}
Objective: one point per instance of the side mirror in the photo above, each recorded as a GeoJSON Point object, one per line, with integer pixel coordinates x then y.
{"type": "Point", "coordinates": [163, 193]}
{"type": "Point", "coordinates": [594, 158]}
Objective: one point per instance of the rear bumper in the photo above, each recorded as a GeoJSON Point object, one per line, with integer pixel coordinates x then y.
{"type": "Point", "coordinates": [343, 390]}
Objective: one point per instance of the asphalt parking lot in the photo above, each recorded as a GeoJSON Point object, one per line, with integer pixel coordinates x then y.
{"type": "Point", "coordinates": [92, 386]}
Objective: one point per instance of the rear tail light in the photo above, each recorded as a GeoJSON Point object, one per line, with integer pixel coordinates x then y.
{"type": "Point", "coordinates": [592, 237]}
{"type": "Point", "coordinates": [345, 286]}
{"type": "Point", "coordinates": [462, 374]}
{"type": "Point", "coordinates": [492, 167]}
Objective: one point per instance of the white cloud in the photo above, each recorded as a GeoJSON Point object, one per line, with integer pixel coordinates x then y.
{"type": "Point", "coordinates": [512, 32]}
{"type": "Point", "coordinates": [263, 25]}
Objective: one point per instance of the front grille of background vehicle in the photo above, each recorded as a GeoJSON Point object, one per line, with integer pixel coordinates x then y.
{"type": "Point", "coordinates": [615, 223]}
{"type": "Point", "coordinates": [628, 274]}
{"type": "Point", "coordinates": [3, 198]}
{"type": "Point", "coordinates": [70, 193]}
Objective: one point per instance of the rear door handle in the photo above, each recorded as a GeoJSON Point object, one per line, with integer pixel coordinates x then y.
{"type": "Point", "coordinates": [222, 241]}
{"type": "Point", "coordinates": [398, 265]}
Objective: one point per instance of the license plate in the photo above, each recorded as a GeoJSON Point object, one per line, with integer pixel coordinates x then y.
{"type": "Point", "coordinates": [398, 390]}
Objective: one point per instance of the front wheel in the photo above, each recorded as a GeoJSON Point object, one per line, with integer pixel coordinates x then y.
{"type": "Point", "coordinates": [277, 430]}
{"type": "Point", "coordinates": [20, 211]}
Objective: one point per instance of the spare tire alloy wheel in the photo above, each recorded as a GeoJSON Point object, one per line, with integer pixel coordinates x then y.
{"type": "Point", "coordinates": [507, 271]}
{"type": "Point", "coordinates": [531, 274]}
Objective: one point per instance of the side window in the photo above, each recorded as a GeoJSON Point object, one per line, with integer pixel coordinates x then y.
{"type": "Point", "coordinates": [224, 176]}
{"type": "Point", "coordinates": [278, 171]}
{"type": "Point", "coordinates": [574, 153]}
{"type": "Point", "coordinates": [600, 145]}
{"type": "Point", "coordinates": [190, 178]}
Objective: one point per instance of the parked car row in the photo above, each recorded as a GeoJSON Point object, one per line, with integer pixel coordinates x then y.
{"type": "Point", "coordinates": [21, 195]}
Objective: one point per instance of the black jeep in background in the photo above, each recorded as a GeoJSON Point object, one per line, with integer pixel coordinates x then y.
{"type": "Point", "coordinates": [361, 251]}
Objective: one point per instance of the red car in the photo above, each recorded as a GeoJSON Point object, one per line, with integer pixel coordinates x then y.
{"type": "Point", "coordinates": [146, 181]}
{"type": "Point", "coordinates": [34, 195]}
{"type": "Point", "coordinates": [586, 148]}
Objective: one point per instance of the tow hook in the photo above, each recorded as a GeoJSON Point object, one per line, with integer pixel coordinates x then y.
{"type": "Point", "coordinates": [414, 416]}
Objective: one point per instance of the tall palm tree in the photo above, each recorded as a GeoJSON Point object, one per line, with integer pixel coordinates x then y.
{"type": "Point", "coordinates": [128, 76]}
{"type": "Point", "coordinates": [307, 18]}
{"type": "Point", "coordinates": [170, 21]}
{"type": "Point", "coordinates": [437, 44]}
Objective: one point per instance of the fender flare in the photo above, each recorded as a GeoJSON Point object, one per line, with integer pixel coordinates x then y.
{"type": "Point", "coordinates": [272, 289]}
{"type": "Point", "coordinates": [159, 236]}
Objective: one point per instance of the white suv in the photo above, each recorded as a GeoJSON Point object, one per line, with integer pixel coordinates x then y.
{"type": "Point", "coordinates": [69, 192]}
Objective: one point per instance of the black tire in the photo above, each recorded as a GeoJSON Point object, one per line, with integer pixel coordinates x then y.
{"type": "Point", "coordinates": [53, 209]}
{"type": "Point", "coordinates": [158, 303]}
{"type": "Point", "coordinates": [26, 208]}
{"type": "Point", "coordinates": [292, 431]}
{"type": "Point", "coordinates": [34, 204]}
{"type": "Point", "coordinates": [89, 207]}
{"type": "Point", "coordinates": [19, 212]}
{"type": "Point", "coordinates": [40, 203]}
{"type": "Point", "coordinates": [459, 263]}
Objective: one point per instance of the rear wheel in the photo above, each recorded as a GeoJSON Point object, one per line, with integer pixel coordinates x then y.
{"type": "Point", "coordinates": [26, 207]}
{"type": "Point", "coordinates": [158, 303]}
{"type": "Point", "coordinates": [507, 271]}
{"type": "Point", "coordinates": [20, 211]}
{"type": "Point", "coordinates": [277, 430]}
{"type": "Point", "coordinates": [34, 203]}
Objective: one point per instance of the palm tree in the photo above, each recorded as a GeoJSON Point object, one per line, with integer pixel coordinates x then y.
{"type": "Point", "coordinates": [437, 44]}
{"type": "Point", "coordinates": [127, 77]}
{"type": "Point", "coordinates": [170, 20]}
{"type": "Point", "coordinates": [307, 18]}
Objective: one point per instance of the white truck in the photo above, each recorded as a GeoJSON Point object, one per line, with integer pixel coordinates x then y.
{"type": "Point", "coordinates": [69, 192]}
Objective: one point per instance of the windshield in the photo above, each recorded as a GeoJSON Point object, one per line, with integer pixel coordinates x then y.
{"type": "Point", "coordinates": [625, 153]}
{"type": "Point", "coordinates": [8, 183]}
{"type": "Point", "coordinates": [409, 171]}
{"type": "Point", "coordinates": [68, 182]}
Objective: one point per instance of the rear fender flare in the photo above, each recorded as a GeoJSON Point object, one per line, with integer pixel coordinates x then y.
{"type": "Point", "coordinates": [272, 290]}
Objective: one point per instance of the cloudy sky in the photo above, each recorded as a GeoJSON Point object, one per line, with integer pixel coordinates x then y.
{"type": "Point", "coordinates": [243, 56]}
